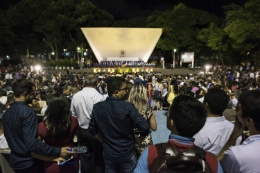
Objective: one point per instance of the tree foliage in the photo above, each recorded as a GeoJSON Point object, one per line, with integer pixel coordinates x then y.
{"type": "Point", "coordinates": [6, 35]}
{"type": "Point", "coordinates": [243, 27]}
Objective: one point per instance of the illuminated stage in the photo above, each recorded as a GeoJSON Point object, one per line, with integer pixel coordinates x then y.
{"type": "Point", "coordinates": [122, 44]}
{"type": "Point", "coordinates": [133, 68]}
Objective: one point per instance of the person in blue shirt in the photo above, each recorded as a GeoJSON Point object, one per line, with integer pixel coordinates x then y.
{"type": "Point", "coordinates": [182, 109]}
{"type": "Point", "coordinates": [112, 123]}
{"type": "Point", "coordinates": [21, 131]}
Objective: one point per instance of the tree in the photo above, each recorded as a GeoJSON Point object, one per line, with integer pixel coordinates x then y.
{"type": "Point", "coordinates": [6, 35]}
{"type": "Point", "coordinates": [138, 22]}
{"type": "Point", "coordinates": [80, 14]}
{"type": "Point", "coordinates": [22, 17]}
{"type": "Point", "coordinates": [180, 28]}
{"type": "Point", "coordinates": [242, 25]}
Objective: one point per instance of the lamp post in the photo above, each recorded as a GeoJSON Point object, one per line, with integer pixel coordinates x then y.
{"type": "Point", "coordinates": [173, 65]}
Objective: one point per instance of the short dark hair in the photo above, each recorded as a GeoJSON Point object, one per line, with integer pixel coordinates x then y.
{"type": "Point", "coordinates": [217, 100]}
{"type": "Point", "coordinates": [113, 84]}
{"type": "Point", "coordinates": [188, 114]}
{"type": "Point", "coordinates": [250, 105]}
{"type": "Point", "coordinates": [21, 86]}
{"type": "Point", "coordinates": [90, 79]}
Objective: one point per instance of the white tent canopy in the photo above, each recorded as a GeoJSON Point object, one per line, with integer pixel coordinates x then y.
{"type": "Point", "coordinates": [136, 43]}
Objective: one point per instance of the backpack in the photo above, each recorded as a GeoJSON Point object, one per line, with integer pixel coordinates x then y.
{"type": "Point", "coordinates": [171, 160]}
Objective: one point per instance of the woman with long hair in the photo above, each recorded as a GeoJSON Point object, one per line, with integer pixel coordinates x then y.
{"type": "Point", "coordinates": [58, 130]}
{"type": "Point", "coordinates": [138, 96]}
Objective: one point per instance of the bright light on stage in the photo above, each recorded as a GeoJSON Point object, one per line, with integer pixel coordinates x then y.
{"type": "Point", "coordinates": [37, 68]}
{"type": "Point", "coordinates": [207, 67]}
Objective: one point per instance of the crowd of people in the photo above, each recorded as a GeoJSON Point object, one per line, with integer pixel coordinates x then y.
{"type": "Point", "coordinates": [122, 63]}
{"type": "Point", "coordinates": [113, 116]}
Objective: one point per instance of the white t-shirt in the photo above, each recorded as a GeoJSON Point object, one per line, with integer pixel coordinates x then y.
{"type": "Point", "coordinates": [3, 100]}
{"type": "Point", "coordinates": [3, 142]}
{"type": "Point", "coordinates": [7, 76]}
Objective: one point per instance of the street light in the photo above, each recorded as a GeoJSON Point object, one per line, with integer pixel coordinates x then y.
{"type": "Point", "coordinates": [52, 53]}
{"type": "Point", "coordinates": [173, 65]}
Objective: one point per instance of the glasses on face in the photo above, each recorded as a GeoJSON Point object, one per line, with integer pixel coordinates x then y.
{"type": "Point", "coordinates": [123, 89]}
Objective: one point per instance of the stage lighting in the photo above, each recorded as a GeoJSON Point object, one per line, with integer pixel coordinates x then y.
{"type": "Point", "coordinates": [37, 67]}
{"type": "Point", "coordinates": [207, 67]}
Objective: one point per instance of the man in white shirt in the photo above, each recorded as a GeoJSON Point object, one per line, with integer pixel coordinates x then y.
{"type": "Point", "coordinates": [81, 107]}
{"type": "Point", "coordinates": [244, 158]}
{"type": "Point", "coordinates": [217, 130]}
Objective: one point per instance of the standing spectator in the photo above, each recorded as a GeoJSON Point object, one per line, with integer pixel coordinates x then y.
{"type": "Point", "coordinates": [59, 133]}
{"type": "Point", "coordinates": [157, 97]}
{"type": "Point", "coordinates": [112, 123]}
{"type": "Point", "coordinates": [17, 75]}
{"type": "Point", "coordinates": [71, 76]}
{"type": "Point", "coordinates": [149, 91]}
{"type": "Point", "coordinates": [7, 76]}
{"type": "Point", "coordinates": [252, 74]}
{"type": "Point", "coordinates": [138, 79]}
{"type": "Point", "coordinates": [20, 127]}
{"type": "Point", "coordinates": [244, 158]}
{"type": "Point", "coordinates": [217, 130]}
{"type": "Point", "coordinates": [81, 107]}
{"type": "Point", "coordinates": [138, 97]}
{"type": "Point", "coordinates": [49, 77]}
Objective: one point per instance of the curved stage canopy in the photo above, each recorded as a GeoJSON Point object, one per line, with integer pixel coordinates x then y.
{"type": "Point", "coordinates": [124, 44]}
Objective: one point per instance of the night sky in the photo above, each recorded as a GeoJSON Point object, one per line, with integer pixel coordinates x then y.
{"type": "Point", "coordinates": [125, 9]}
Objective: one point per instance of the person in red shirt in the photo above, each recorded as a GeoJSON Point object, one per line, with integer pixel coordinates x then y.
{"type": "Point", "coordinates": [233, 88]}
{"type": "Point", "coordinates": [58, 129]}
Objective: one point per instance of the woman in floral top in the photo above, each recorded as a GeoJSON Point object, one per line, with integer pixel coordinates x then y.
{"type": "Point", "coordinates": [138, 96]}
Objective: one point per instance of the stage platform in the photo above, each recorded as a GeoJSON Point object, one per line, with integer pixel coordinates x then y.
{"type": "Point", "coordinates": [163, 71]}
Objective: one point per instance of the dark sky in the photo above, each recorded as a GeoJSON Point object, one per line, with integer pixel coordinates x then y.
{"type": "Point", "coordinates": [125, 9]}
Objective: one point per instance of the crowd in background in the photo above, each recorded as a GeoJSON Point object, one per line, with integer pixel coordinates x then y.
{"type": "Point", "coordinates": [113, 115]}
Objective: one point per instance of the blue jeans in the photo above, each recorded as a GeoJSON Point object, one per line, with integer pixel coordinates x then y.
{"type": "Point", "coordinates": [126, 165]}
